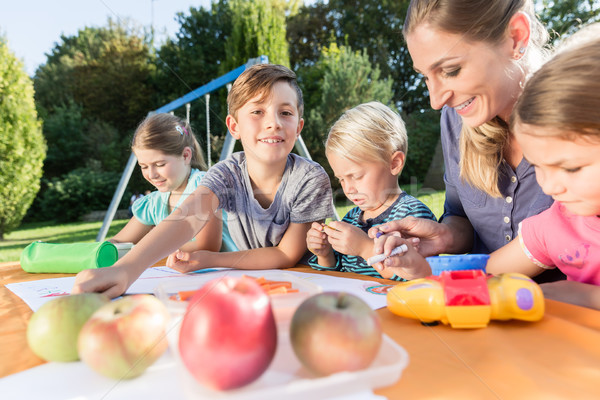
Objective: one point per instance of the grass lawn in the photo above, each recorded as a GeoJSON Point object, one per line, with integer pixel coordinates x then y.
{"type": "Point", "coordinates": [15, 242]}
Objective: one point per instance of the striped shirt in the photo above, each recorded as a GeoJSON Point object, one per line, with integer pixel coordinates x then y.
{"type": "Point", "coordinates": [406, 205]}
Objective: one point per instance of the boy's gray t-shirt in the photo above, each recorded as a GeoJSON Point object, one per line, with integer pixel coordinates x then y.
{"type": "Point", "coordinates": [304, 195]}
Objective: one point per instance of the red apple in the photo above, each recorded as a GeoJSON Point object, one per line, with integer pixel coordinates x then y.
{"type": "Point", "coordinates": [335, 331]}
{"type": "Point", "coordinates": [228, 335]}
{"type": "Point", "coordinates": [53, 329]}
{"type": "Point", "coordinates": [125, 336]}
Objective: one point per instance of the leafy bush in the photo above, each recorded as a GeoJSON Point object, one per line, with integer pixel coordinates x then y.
{"type": "Point", "coordinates": [78, 142]}
{"type": "Point", "coordinates": [77, 193]}
{"type": "Point", "coordinates": [423, 131]}
{"type": "Point", "coordinates": [22, 146]}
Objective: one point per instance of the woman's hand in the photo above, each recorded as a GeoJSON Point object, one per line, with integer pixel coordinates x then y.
{"type": "Point", "coordinates": [432, 235]}
{"type": "Point", "coordinates": [408, 265]}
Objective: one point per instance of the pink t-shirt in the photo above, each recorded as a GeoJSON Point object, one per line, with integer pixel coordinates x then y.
{"type": "Point", "coordinates": [569, 242]}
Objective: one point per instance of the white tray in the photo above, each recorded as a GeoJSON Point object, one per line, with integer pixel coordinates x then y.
{"type": "Point", "coordinates": [286, 378]}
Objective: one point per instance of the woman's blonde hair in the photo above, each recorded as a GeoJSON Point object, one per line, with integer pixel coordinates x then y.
{"type": "Point", "coordinates": [564, 95]}
{"type": "Point", "coordinates": [481, 148]}
{"type": "Point", "coordinates": [370, 132]}
{"type": "Point", "coordinates": [170, 135]}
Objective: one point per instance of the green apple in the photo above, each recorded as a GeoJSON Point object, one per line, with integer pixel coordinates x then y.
{"type": "Point", "coordinates": [124, 337]}
{"type": "Point", "coordinates": [53, 329]}
{"type": "Point", "coordinates": [335, 331]}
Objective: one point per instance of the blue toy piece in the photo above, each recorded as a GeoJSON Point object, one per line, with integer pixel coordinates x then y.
{"type": "Point", "coordinates": [457, 262]}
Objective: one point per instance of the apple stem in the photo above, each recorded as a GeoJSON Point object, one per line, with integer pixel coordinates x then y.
{"type": "Point", "coordinates": [342, 301]}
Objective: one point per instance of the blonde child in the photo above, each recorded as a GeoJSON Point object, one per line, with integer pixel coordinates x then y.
{"type": "Point", "coordinates": [557, 123]}
{"type": "Point", "coordinates": [366, 149]}
{"type": "Point", "coordinates": [271, 196]}
{"type": "Point", "coordinates": [170, 159]}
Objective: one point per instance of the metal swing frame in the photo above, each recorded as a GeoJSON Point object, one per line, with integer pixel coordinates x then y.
{"type": "Point", "coordinates": [226, 151]}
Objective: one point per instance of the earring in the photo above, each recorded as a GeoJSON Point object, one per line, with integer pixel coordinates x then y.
{"type": "Point", "coordinates": [521, 52]}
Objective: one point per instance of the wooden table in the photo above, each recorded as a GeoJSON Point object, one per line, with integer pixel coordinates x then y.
{"type": "Point", "coordinates": [556, 358]}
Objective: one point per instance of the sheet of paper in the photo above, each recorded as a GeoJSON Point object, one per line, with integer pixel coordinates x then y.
{"type": "Point", "coordinates": [36, 293]}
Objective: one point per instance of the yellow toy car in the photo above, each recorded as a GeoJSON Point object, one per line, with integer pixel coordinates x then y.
{"type": "Point", "coordinates": [467, 298]}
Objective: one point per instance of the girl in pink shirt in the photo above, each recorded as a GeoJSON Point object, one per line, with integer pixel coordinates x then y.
{"type": "Point", "coordinates": [556, 121]}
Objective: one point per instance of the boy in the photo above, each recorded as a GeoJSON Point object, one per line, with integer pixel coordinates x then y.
{"type": "Point", "coordinates": [271, 196]}
{"type": "Point", "coordinates": [366, 149]}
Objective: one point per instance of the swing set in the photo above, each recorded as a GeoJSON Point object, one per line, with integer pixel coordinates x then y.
{"type": "Point", "coordinates": [226, 151]}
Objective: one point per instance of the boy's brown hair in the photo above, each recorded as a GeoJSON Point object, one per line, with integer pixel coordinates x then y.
{"type": "Point", "coordinates": [259, 80]}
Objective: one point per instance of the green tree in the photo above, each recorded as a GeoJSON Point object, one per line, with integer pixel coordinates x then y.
{"type": "Point", "coordinates": [371, 25]}
{"type": "Point", "coordinates": [94, 89]}
{"type": "Point", "coordinates": [106, 70]}
{"type": "Point", "coordinates": [194, 58]}
{"type": "Point", "coordinates": [345, 78]}
{"type": "Point", "coordinates": [258, 28]}
{"type": "Point", "coordinates": [22, 146]}
{"type": "Point", "coordinates": [563, 18]}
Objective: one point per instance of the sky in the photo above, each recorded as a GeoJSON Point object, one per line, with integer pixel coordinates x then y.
{"type": "Point", "coordinates": [34, 27]}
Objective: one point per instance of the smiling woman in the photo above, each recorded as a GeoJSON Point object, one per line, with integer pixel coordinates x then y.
{"type": "Point", "coordinates": [475, 56]}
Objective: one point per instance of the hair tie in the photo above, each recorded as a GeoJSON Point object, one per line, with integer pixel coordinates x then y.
{"type": "Point", "coordinates": [181, 130]}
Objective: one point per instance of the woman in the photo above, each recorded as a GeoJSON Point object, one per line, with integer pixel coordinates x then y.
{"type": "Point", "coordinates": [475, 56]}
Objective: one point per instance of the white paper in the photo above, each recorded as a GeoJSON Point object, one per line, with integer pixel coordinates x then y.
{"type": "Point", "coordinates": [36, 293]}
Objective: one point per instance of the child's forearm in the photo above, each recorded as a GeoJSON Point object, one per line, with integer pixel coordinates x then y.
{"type": "Point", "coordinates": [581, 294]}
{"type": "Point", "coordinates": [170, 234]}
{"type": "Point", "coordinates": [158, 244]}
{"type": "Point", "coordinates": [262, 258]}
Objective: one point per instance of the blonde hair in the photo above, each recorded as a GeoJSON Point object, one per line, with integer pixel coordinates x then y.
{"type": "Point", "coordinates": [169, 135]}
{"type": "Point", "coordinates": [370, 132]}
{"type": "Point", "coordinates": [259, 80]}
{"type": "Point", "coordinates": [481, 148]}
{"type": "Point", "coordinates": [564, 95]}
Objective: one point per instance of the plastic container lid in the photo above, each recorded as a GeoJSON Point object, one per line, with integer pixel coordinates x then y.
{"type": "Point", "coordinates": [461, 262]}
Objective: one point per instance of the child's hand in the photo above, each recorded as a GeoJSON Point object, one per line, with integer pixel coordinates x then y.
{"type": "Point", "coordinates": [112, 281]}
{"type": "Point", "coordinates": [408, 265]}
{"type": "Point", "coordinates": [183, 261]}
{"type": "Point", "coordinates": [316, 241]}
{"type": "Point", "coordinates": [349, 239]}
